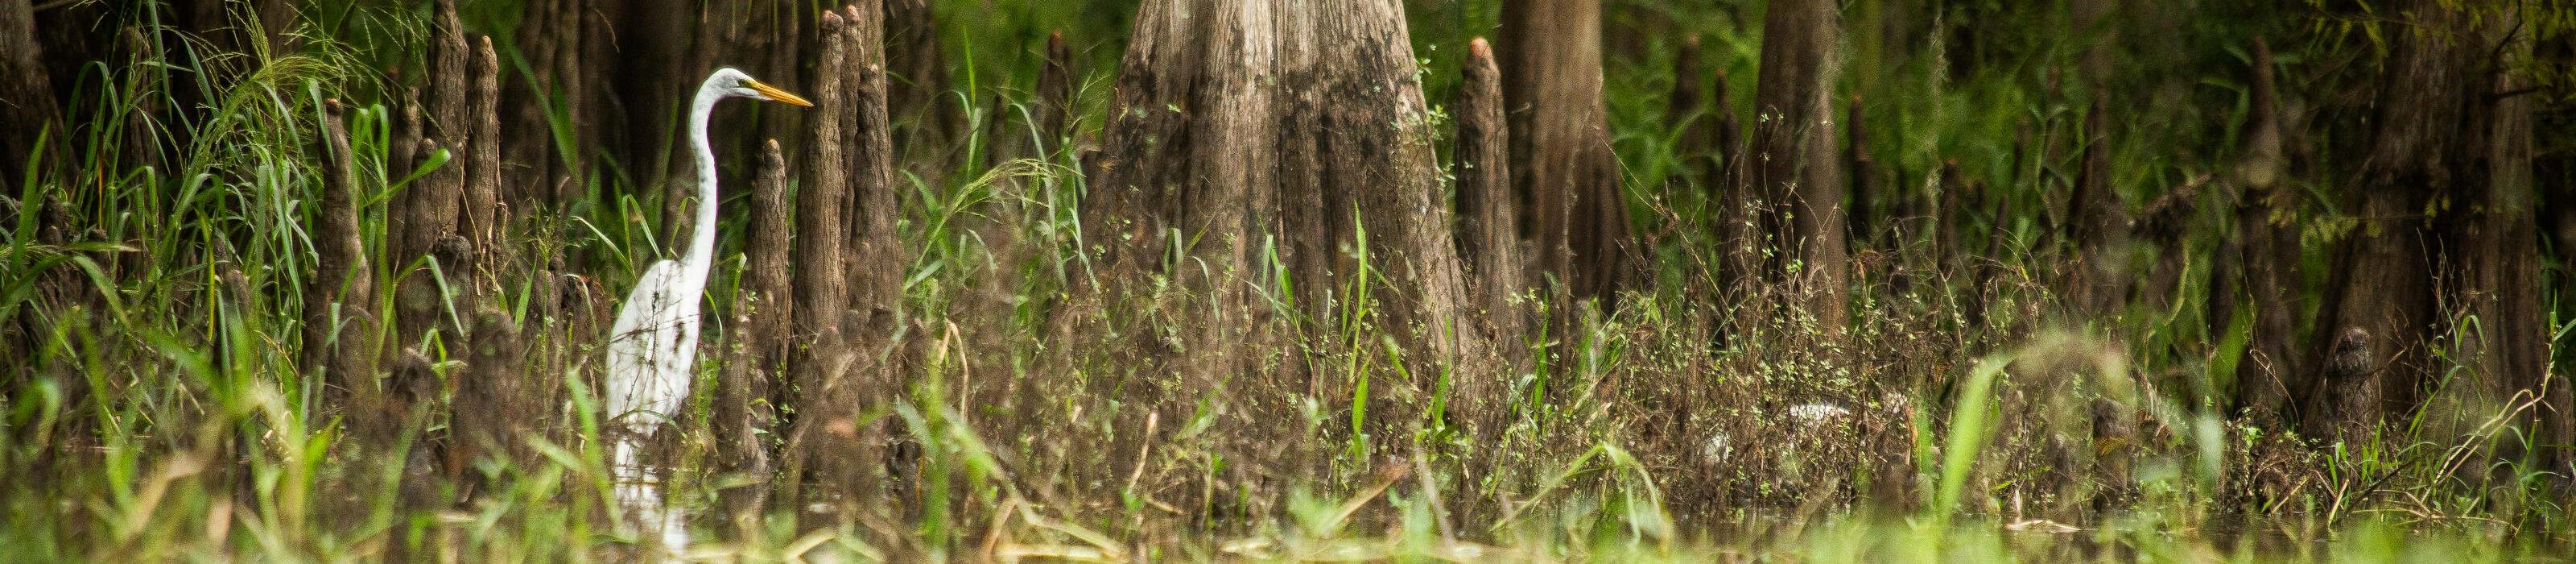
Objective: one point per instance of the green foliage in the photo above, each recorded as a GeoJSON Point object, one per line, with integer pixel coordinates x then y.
{"type": "Point", "coordinates": [158, 415]}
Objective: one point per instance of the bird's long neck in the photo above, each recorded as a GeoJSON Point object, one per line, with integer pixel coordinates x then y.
{"type": "Point", "coordinates": [702, 239]}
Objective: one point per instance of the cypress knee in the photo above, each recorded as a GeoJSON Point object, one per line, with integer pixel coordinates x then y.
{"type": "Point", "coordinates": [1489, 237]}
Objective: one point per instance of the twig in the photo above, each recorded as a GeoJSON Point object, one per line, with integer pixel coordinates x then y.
{"type": "Point", "coordinates": [1143, 449]}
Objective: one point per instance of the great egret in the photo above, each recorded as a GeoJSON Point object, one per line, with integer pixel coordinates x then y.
{"type": "Point", "coordinates": [655, 344]}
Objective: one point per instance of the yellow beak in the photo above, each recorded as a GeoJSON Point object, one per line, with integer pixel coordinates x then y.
{"type": "Point", "coordinates": [776, 95]}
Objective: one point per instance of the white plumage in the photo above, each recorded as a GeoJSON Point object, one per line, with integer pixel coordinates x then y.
{"type": "Point", "coordinates": [653, 350]}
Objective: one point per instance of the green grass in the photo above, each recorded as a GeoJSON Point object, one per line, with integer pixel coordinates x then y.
{"type": "Point", "coordinates": [157, 413]}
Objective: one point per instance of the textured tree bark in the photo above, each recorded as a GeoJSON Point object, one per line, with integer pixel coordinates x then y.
{"type": "Point", "coordinates": [1872, 204]}
{"type": "Point", "coordinates": [426, 220]}
{"type": "Point", "coordinates": [917, 92]}
{"type": "Point", "coordinates": [1564, 168]}
{"type": "Point", "coordinates": [1204, 168]}
{"type": "Point", "coordinates": [402, 157]}
{"type": "Point", "coordinates": [2261, 260]}
{"type": "Point", "coordinates": [763, 339]}
{"type": "Point", "coordinates": [2383, 289]}
{"type": "Point", "coordinates": [1796, 173]}
{"type": "Point", "coordinates": [2497, 261]}
{"type": "Point", "coordinates": [495, 410]}
{"type": "Point", "coordinates": [427, 215]}
{"type": "Point", "coordinates": [855, 264]}
{"type": "Point", "coordinates": [449, 79]}
{"type": "Point", "coordinates": [27, 101]}
{"type": "Point", "coordinates": [1233, 119]}
{"type": "Point", "coordinates": [820, 294]}
{"type": "Point", "coordinates": [766, 286]}
{"type": "Point", "coordinates": [487, 213]}
{"type": "Point", "coordinates": [2100, 222]}
{"type": "Point", "coordinates": [1194, 137]}
{"type": "Point", "coordinates": [339, 327]}
{"type": "Point", "coordinates": [530, 145]}
{"type": "Point", "coordinates": [1489, 235]}
{"type": "Point", "coordinates": [497, 405]}
{"type": "Point", "coordinates": [1367, 80]}
{"type": "Point", "coordinates": [1489, 238]}
{"type": "Point", "coordinates": [1707, 147]}
{"type": "Point", "coordinates": [1055, 96]}
{"type": "Point", "coordinates": [877, 259]}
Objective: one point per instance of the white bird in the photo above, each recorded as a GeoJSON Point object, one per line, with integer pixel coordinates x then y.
{"type": "Point", "coordinates": [654, 347]}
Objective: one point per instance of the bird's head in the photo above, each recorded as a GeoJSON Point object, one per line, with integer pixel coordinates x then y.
{"type": "Point", "coordinates": [736, 84]}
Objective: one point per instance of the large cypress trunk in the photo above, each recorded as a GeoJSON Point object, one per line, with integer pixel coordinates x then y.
{"type": "Point", "coordinates": [1801, 183]}
{"type": "Point", "coordinates": [1564, 169]}
{"type": "Point", "coordinates": [2495, 256]}
{"type": "Point", "coordinates": [1234, 121]}
{"type": "Point", "coordinates": [1205, 168]}
{"type": "Point", "coordinates": [2382, 300]}
{"type": "Point", "coordinates": [1375, 120]}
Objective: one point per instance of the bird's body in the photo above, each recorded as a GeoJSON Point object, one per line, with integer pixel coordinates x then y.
{"type": "Point", "coordinates": [653, 348]}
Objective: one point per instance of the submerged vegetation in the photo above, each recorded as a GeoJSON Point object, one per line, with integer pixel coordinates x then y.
{"type": "Point", "coordinates": [1415, 280]}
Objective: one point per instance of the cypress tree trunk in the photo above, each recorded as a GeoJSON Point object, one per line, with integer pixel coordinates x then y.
{"type": "Point", "coordinates": [2497, 263]}
{"type": "Point", "coordinates": [26, 95]}
{"type": "Point", "coordinates": [1367, 80]}
{"type": "Point", "coordinates": [1564, 169]}
{"type": "Point", "coordinates": [427, 212]}
{"type": "Point", "coordinates": [762, 326]}
{"type": "Point", "coordinates": [2100, 222]}
{"type": "Point", "coordinates": [531, 145]}
{"type": "Point", "coordinates": [487, 217]}
{"type": "Point", "coordinates": [1204, 170]}
{"type": "Point", "coordinates": [2260, 262]}
{"type": "Point", "coordinates": [917, 90]}
{"type": "Point", "coordinates": [497, 405]}
{"type": "Point", "coordinates": [876, 259]}
{"type": "Point", "coordinates": [339, 329]}
{"type": "Point", "coordinates": [1489, 235]}
{"type": "Point", "coordinates": [1055, 96]}
{"type": "Point", "coordinates": [1234, 119]}
{"type": "Point", "coordinates": [1871, 204]}
{"type": "Point", "coordinates": [1800, 183]}
{"type": "Point", "coordinates": [2382, 299]}
{"type": "Point", "coordinates": [821, 294]}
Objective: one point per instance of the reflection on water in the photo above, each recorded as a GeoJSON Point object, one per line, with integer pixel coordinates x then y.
{"type": "Point", "coordinates": [639, 494]}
